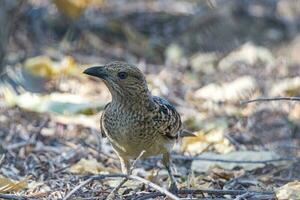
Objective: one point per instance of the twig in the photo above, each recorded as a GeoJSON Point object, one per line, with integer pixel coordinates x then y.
{"type": "Point", "coordinates": [164, 192]}
{"type": "Point", "coordinates": [2, 159]}
{"type": "Point", "coordinates": [103, 176]}
{"type": "Point", "coordinates": [178, 157]}
{"type": "Point", "coordinates": [78, 187]}
{"type": "Point", "coordinates": [133, 177]}
{"type": "Point", "coordinates": [243, 196]}
{"type": "Point", "coordinates": [271, 99]}
{"type": "Point", "coordinates": [32, 139]}
{"type": "Point", "coordinates": [116, 189]}
{"type": "Point", "coordinates": [39, 129]}
{"type": "Point", "coordinates": [154, 186]}
{"type": "Point", "coordinates": [62, 169]}
{"type": "Point", "coordinates": [135, 161]}
{"type": "Point", "coordinates": [211, 192]}
{"type": "Point", "coordinates": [221, 192]}
{"type": "Point", "coordinates": [204, 198]}
{"type": "Point", "coordinates": [12, 197]}
{"type": "Point", "coordinates": [149, 196]}
{"type": "Point", "coordinates": [19, 145]}
{"type": "Point", "coordinates": [233, 141]}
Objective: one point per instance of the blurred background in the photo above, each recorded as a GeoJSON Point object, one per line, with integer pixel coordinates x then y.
{"type": "Point", "coordinates": [203, 56]}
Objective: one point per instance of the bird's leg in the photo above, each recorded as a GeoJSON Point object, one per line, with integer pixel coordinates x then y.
{"type": "Point", "coordinates": [125, 165]}
{"type": "Point", "coordinates": [167, 163]}
{"type": "Point", "coordinates": [125, 170]}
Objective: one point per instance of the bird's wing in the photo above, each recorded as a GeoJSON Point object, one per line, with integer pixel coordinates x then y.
{"type": "Point", "coordinates": [166, 118]}
{"type": "Point", "coordinates": [101, 121]}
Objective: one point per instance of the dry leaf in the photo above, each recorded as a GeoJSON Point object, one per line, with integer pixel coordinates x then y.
{"type": "Point", "coordinates": [38, 190]}
{"type": "Point", "coordinates": [8, 185]}
{"type": "Point", "coordinates": [236, 90]}
{"type": "Point", "coordinates": [72, 8]}
{"type": "Point", "coordinates": [204, 62]}
{"type": "Point", "coordinates": [289, 191]}
{"type": "Point", "coordinates": [211, 134]}
{"type": "Point", "coordinates": [157, 86]}
{"type": "Point", "coordinates": [174, 54]}
{"type": "Point", "coordinates": [87, 166]}
{"type": "Point", "coordinates": [91, 121]}
{"type": "Point", "coordinates": [196, 182]}
{"type": "Point", "coordinates": [59, 103]}
{"type": "Point", "coordinates": [247, 54]}
{"type": "Point", "coordinates": [289, 86]}
{"type": "Point", "coordinates": [43, 66]}
{"type": "Point", "coordinates": [39, 66]}
{"type": "Point", "coordinates": [221, 173]}
{"type": "Point", "coordinates": [130, 184]}
{"type": "Point", "coordinates": [195, 145]}
{"type": "Point", "coordinates": [203, 166]}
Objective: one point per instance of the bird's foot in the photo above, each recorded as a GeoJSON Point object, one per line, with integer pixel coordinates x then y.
{"type": "Point", "coordinates": [173, 188]}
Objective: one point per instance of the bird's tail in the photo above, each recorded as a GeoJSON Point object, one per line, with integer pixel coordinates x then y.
{"type": "Point", "coordinates": [186, 133]}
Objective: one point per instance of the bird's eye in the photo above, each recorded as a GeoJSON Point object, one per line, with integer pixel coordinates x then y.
{"type": "Point", "coordinates": [122, 75]}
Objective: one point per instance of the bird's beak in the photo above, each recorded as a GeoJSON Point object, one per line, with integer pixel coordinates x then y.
{"type": "Point", "coordinates": [98, 71]}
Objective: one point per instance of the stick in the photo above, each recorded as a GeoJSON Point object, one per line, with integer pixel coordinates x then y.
{"type": "Point", "coordinates": [178, 157]}
{"type": "Point", "coordinates": [103, 176]}
{"type": "Point", "coordinates": [134, 177]}
{"type": "Point", "coordinates": [19, 145]}
{"type": "Point", "coordinates": [211, 192]}
{"type": "Point", "coordinates": [165, 192]}
{"type": "Point", "coordinates": [221, 192]}
{"type": "Point", "coordinates": [2, 159]}
{"type": "Point", "coordinates": [78, 187]}
{"type": "Point", "coordinates": [12, 197]}
{"type": "Point", "coordinates": [271, 99]}
{"type": "Point", "coordinates": [154, 186]}
{"type": "Point", "coordinates": [243, 196]}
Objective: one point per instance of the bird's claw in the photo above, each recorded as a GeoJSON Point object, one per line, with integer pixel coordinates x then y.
{"type": "Point", "coordinates": [173, 188]}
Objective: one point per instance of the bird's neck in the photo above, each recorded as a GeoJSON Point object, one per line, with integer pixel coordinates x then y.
{"type": "Point", "coordinates": [141, 100]}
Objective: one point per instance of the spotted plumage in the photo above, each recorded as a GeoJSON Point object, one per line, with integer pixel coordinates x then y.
{"type": "Point", "coordinates": [166, 118]}
{"type": "Point", "coordinates": [135, 120]}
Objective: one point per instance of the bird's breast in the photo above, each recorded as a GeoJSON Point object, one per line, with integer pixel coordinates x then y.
{"type": "Point", "coordinates": [132, 132]}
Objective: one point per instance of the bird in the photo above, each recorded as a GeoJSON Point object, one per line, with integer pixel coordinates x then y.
{"type": "Point", "coordinates": [135, 120]}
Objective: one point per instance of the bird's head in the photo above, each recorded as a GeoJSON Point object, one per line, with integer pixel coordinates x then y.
{"type": "Point", "coordinates": [122, 79]}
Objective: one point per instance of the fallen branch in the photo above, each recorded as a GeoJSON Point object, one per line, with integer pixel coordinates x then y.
{"type": "Point", "coordinates": [178, 157]}
{"type": "Point", "coordinates": [92, 178]}
{"type": "Point", "coordinates": [78, 187]}
{"type": "Point", "coordinates": [133, 177]}
{"type": "Point", "coordinates": [154, 186]}
{"type": "Point", "coordinates": [210, 192]}
{"type": "Point", "coordinates": [12, 197]}
{"type": "Point", "coordinates": [271, 99]}
{"type": "Point", "coordinates": [243, 196]}
{"type": "Point", "coordinates": [19, 145]}
{"type": "Point", "coordinates": [2, 158]}
{"type": "Point", "coordinates": [222, 192]}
